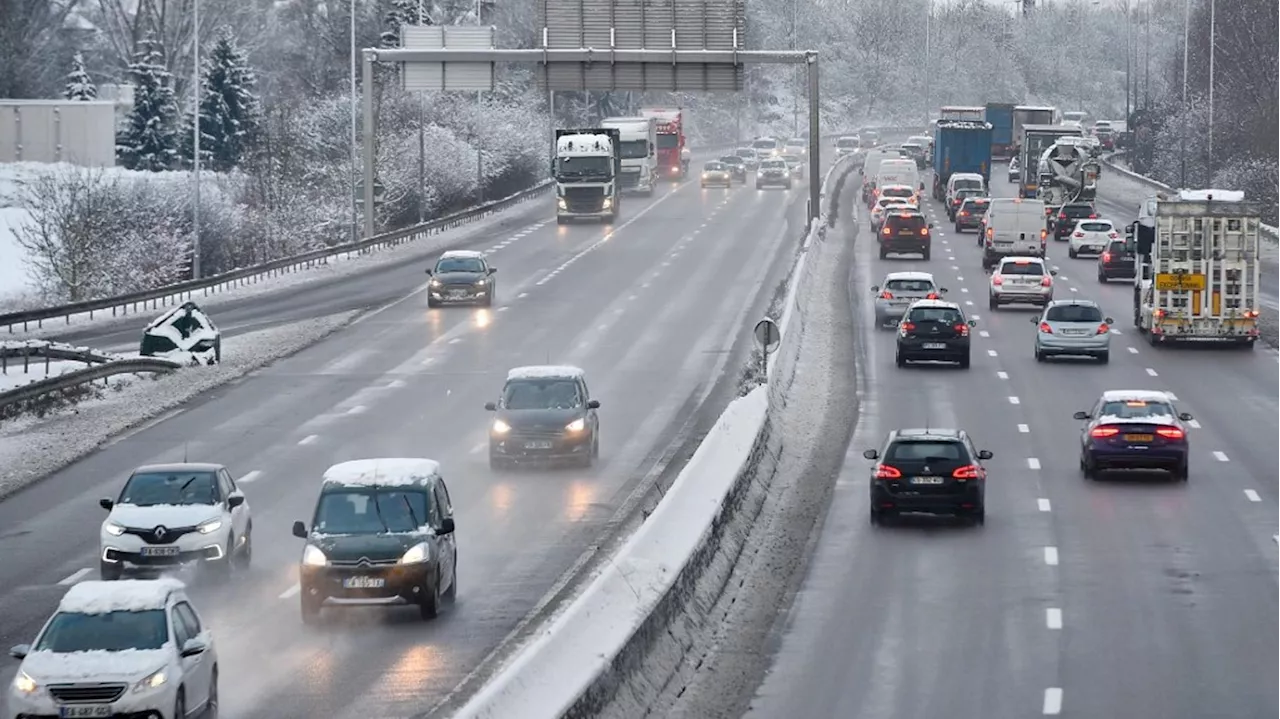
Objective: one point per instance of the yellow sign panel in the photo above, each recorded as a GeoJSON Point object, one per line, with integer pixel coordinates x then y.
{"type": "Point", "coordinates": [1168, 282]}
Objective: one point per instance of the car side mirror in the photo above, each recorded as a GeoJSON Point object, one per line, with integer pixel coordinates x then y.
{"type": "Point", "coordinates": [106, 504]}
{"type": "Point", "coordinates": [973, 323]}
{"type": "Point", "coordinates": [299, 530]}
{"type": "Point", "coordinates": [234, 501]}
{"type": "Point", "coordinates": [931, 225]}
{"type": "Point", "coordinates": [871, 454]}
{"type": "Point", "coordinates": [194, 646]}
{"type": "Point", "coordinates": [493, 270]}
{"type": "Point", "coordinates": [1185, 417]}
{"type": "Point", "coordinates": [943, 290]}
{"type": "Point", "coordinates": [20, 651]}
{"type": "Point", "coordinates": [491, 406]}
{"type": "Point", "coordinates": [1053, 272]}
{"type": "Point", "coordinates": [446, 526]}
{"type": "Point", "coordinates": [1081, 415]}
{"type": "Point", "coordinates": [875, 289]}
{"type": "Point", "coordinates": [593, 404]}
{"type": "Point", "coordinates": [985, 454]}
{"type": "Point", "coordinates": [429, 271]}
{"type": "Point", "coordinates": [1108, 320]}
{"type": "Point", "coordinates": [1035, 320]}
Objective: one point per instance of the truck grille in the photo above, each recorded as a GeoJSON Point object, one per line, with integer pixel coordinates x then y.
{"type": "Point", "coordinates": [584, 199]}
{"type": "Point", "coordinates": [87, 693]}
{"type": "Point", "coordinates": [630, 179]}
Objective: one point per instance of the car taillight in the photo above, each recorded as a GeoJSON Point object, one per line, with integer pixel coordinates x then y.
{"type": "Point", "coordinates": [1106, 256]}
{"type": "Point", "coordinates": [1113, 235]}
{"type": "Point", "coordinates": [1062, 215]}
{"type": "Point", "coordinates": [991, 231]}
{"type": "Point", "coordinates": [934, 296]}
{"type": "Point", "coordinates": [886, 231]}
{"type": "Point", "coordinates": [1077, 234]}
{"type": "Point", "coordinates": [963, 329]}
{"type": "Point", "coordinates": [884, 471]}
{"type": "Point", "coordinates": [886, 295]}
{"type": "Point", "coordinates": [969, 471]}
{"type": "Point", "coordinates": [1093, 217]}
{"type": "Point", "coordinates": [1171, 433]}
{"type": "Point", "coordinates": [907, 326]}
{"type": "Point", "coordinates": [1046, 328]}
{"type": "Point", "coordinates": [1251, 314]}
{"type": "Point", "coordinates": [1046, 281]}
{"type": "Point", "coordinates": [1104, 328]}
{"type": "Point", "coordinates": [924, 231]}
{"type": "Point", "coordinates": [1103, 432]}
{"type": "Point", "coordinates": [964, 213]}
{"type": "Point", "coordinates": [997, 280]}
{"type": "Point", "coordinates": [1043, 234]}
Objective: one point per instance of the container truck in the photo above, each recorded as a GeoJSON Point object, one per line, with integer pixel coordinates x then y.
{"type": "Point", "coordinates": [671, 143]}
{"type": "Point", "coordinates": [960, 146]}
{"type": "Point", "coordinates": [587, 171]}
{"type": "Point", "coordinates": [1197, 273]}
{"type": "Point", "coordinates": [1035, 140]}
{"type": "Point", "coordinates": [1000, 116]}
{"type": "Point", "coordinates": [957, 112]}
{"type": "Point", "coordinates": [1024, 115]}
{"type": "Point", "coordinates": [639, 152]}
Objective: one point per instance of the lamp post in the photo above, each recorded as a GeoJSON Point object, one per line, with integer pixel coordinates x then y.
{"type": "Point", "coordinates": [355, 165]}
{"type": "Point", "coordinates": [928, 15]}
{"type": "Point", "coordinates": [1213, 41]}
{"type": "Point", "coordinates": [1182, 139]}
{"type": "Point", "coordinates": [195, 140]}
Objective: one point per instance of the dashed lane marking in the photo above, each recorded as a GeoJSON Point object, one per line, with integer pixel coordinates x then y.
{"type": "Point", "coordinates": [1002, 374]}
{"type": "Point", "coordinates": [1014, 400]}
{"type": "Point", "coordinates": [1051, 556]}
{"type": "Point", "coordinates": [1252, 495]}
{"type": "Point", "coordinates": [504, 308]}
{"type": "Point", "coordinates": [1152, 372]}
{"type": "Point", "coordinates": [75, 576]}
{"type": "Point", "coordinates": [522, 295]}
{"type": "Point", "coordinates": [964, 289]}
{"type": "Point", "coordinates": [1043, 505]}
{"type": "Point", "coordinates": [309, 439]}
{"type": "Point", "coordinates": [253, 476]}
{"type": "Point", "coordinates": [1053, 618]}
{"type": "Point", "coordinates": [1033, 463]}
{"type": "Point", "coordinates": [1115, 331]}
{"type": "Point", "coordinates": [1073, 289]}
{"type": "Point", "coordinates": [968, 303]}
{"type": "Point", "coordinates": [358, 409]}
{"type": "Point", "coordinates": [1132, 350]}
{"type": "Point", "coordinates": [1024, 428]}
{"type": "Point", "coordinates": [991, 353]}
{"type": "Point", "coordinates": [1220, 456]}
{"type": "Point", "coordinates": [455, 340]}
{"type": "Point", "coordinates": [983, 333]}
{"type": "Point", "coordinates": [291, 592]}
{"type": "Point", "coordinates": [1052, 701]}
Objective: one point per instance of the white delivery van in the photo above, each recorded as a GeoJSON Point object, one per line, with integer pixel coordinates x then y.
{"type": "Point", "coordinates": [898, 172]}
{"type": "Point", "coordinates": [1014, 227]}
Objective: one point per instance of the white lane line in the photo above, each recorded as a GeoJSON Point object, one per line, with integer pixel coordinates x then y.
{"type": "Point", "coordinates": [959, 278]}
{"type": "Point", "coordinates": [253, 476]}
{"type": "Point", "coordinates": [1132, 350]}
{"type": "Point", "coordinates": [1014, 400]}
{"type": "Point", "coordinates": [428, 361]}
{"type": "Point", "coordinates": [977, 317]}
{"type": "Point", "coordinates": [455, 340]}
{"type": "Point", "coordinates": [1152, 372]}
{"type": "Point", "coordinates": [1002, 374]}
{"type": "Point", "coordinates": [1043, 504]}
{"type": "Point", "coordinates": [1053, 701]}
{"type": "Point", "coordinates": [522, 295]}
{"type": "Point", "coordinates": [479, 447]}
{"type": "Point", "coordinates": [309, 439]}
{"type": "Point", "coordinates": [955, 267]}
{"type": "Point", "coordinates": [504, 308]}
{"type": "Point", "coordinates": [1115, 332]}
{"type": "Point", "coordinates": [1033, 463]}
{"type": "Point", "coordinates": [983, 333]}
{"type": "Point", "coordinates": [291, 592]}
{"type": "Point", "coordinates": [991, 353]}
{"type": "Point", "coordinates": [1193, 423]}
{"type": "Point", "coordinates": [1220, 456]}
{"type": "Point", "coordinates": [968, 303]}
{"type": "Point", "coordinates": [1053, 618]}
{"type": "Point", "coordinates": [1024, 428]}
{"type": "Point", "coordinates": [1252, 495]}
{"type": "Point", "coordinates": [358, 409]}
{"type": "Point", "coordinates": [75, 576]}
{"type": "Point", "coordinates": [632, 297]}
{"type": "Point", "coordinates": [396, 384]}
{"type": "Point", "coordinates": [1073, 289]}
{"type": "Point", "coordinates": [1051, 556]}
{"type": "Point", "coordinates": [964, 289]}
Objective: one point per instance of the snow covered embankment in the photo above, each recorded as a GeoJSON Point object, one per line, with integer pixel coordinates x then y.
{"type": "Point", "coordinates": [32, 447]}
{"type": "Point", "coordinates": [622, 638]}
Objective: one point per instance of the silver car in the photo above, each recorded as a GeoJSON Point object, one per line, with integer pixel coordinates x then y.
{"type": "Point", "coordinates": [1073, 327]}
{"type": "Point", "coordinates": [1021, 280]}
{"type": "Point", "coordinates": [899, 291]}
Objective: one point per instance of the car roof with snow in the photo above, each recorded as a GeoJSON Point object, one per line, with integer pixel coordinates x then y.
{"type": "Point", "coordinates": [124, 595]}
{"type": "Point", "coordinates": [1135, 395]}
{"type": "Point", "coordinates": [896, 186]}
{"type": "Point", "coordinates": [462, 254]}
{"type": "Point", "coordinates": [546, 371]}
{"type": "Point", "coordinates": [178, 468]}
{"type": "Point", "coordinates": [909, 275]}
{"type": "Point", "coordinates": [382, 472]}
{"type": "Point", "coordinates": [966, 175]}
{"type": "Point", "coordinates": [939, 304]}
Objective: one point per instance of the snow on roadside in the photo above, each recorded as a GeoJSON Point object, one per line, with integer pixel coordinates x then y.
{"type": "Point", "coordinates": [13, 259]}
{"type": "Point", "coordinates": [31, 448]}
{"type": "Point", "coordinates": [12, 374]}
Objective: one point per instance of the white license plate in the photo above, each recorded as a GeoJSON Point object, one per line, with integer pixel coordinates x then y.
{"type": "Point", "coordinates": [364, 583]}
{"type": "Point", "coordinates": [540, 444]}
{"type": "Point", "coordinates": [457, 294]}
{"type": "Point", "coordinates": [934, 346]}
{"type": "Point", "coordinates": [1075, 332]}
{"type": "Point", "coordinates": [88, 710]}
{"type": "Point", "coordinates": [156, 552]}
{"type": "Point", "coordinates": [926, 480]}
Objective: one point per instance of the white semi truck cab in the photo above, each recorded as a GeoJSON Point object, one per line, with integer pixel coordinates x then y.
{"type": "Point", "coordinates": [638, 137]}
{"type": "Point", "coordinates": [1196, 276]}
{"type": "Point", "coordinates": [587, 171]}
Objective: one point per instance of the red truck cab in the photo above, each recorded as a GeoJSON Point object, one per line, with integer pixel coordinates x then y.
{"type": "Point", "coordinates": [671, 142]}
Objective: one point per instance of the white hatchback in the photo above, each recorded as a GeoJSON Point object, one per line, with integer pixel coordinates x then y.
{"type": "Point", "coordinates": [884, 206]}
{"type": "Point", "coordinates": [1091, 237]}
{"type": "Point", "coordinates": [130, 648]}
{"type": "Point", "coordinates": [1021, 280]}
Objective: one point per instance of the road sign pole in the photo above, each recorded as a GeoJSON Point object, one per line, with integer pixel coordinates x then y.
{"type": "Point", "coordinates": [815, 141]}
{"type": "Point", "coordinates": [369, 145]}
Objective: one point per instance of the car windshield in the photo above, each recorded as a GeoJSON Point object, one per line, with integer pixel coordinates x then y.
{"type": "Point", "coordinates": [898, 192]}
{"type": "Point", "coordinates": [967, 184]}
{"type": "Point", "coordinates": [847, 142]}
{"type": "Point", "coordinates": [634, 149]}
{"type": "Point", "coordinates": [1077, 210]}
{"type": "Point", "coordinates": [731, 160]}
{"type": "Point", "coordinates": [713, 167]}
{"type": "Point", "coordinates": [747, 153]}
{"type": "Point", "coordinates": [909, 286]}
{"type": "Point", "coordinates": [1136, 409]}
{"type": "Point", "coordinates": [1022, 268]}
{"type": "Point", "coordinates": [107, 632]}
{"type": "Point", "coordinates": [906, 222]}
{"type": "Point", "coordinates": [584, 166]}
{"type": "Point", "coordinates": [668, 141]}
{"type": "Point", "coordinates": [765, 144]}
{"type": "Point", "coordinates": [371, 510]}
{"type": "Point", "coordinates": [1074, 313]}
{"type": "Point", "coordinates": [541, 394]}
{"type": "Point", "coordinates": [459, 264]}
{"type": "Point", "coordinates": [1121, 246]}
{"type": "Point", "coordinates": [774, 164]}
{"type": "Point", "coordinates": [923, 451]}
{"type": "Point", "coordinates": [945, 315]}
{"type": "Point", "coordinates": [152, 488]}
{"type": "Point", "coordinates": [1095, 226]}
{"type": "Point", "coordinates": [792, 159]}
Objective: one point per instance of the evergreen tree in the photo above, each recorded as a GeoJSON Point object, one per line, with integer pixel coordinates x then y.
{"type": "Point", "coordinates": [79, 85]}
{"type": "Point", "coordinates": [149, 141]}
{"type": "Point", "coordinates": [230, 115]}
{"type": "Point", "coordinates": [402, 12]}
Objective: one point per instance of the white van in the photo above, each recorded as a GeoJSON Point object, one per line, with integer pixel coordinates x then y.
{"type": "Point", "coordinates": [1014, 227]}
{"type": "Point", "coordinates": [898, 172]}
{"type": "Point", "coordinates": [767, 147]}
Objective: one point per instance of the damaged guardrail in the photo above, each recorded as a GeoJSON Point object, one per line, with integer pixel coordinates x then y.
{"type": "Point", "coordinates": [11, 401]}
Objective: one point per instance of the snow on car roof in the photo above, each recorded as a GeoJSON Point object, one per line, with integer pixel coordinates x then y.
{"type": "Point", "coordinates": [546, 371]}
{"type": "Point", "coordinates": [382, 471]}
{"type": "Point", "coordinates": [909, 275]}
{"type": "Point", "coordinates": [469, 254]}
{"type": "Point", "coordinates": [1018, 260]}
{"type": "Point", "coordinates": [126, 595]}
{"type": "Point", "coordinates": [1136, 395]}
{"type": "Point", "coordinates": [1218, 195]}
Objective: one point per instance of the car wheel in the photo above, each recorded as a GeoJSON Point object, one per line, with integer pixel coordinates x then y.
{"type": "Point", "coordinates": [429, 607]}
{"type": "Point", "coordinates": [1086, 467]}
{"type": "Point", "coordinates": [595, 447]}
{"type": "Point", "coordinates": [925, 254]}
{"type": "Point", "coordinates": [310, 607]}
{"type": "Point", "coordinates": [562, 220]}
{"type": "Point", "coordinates": [957, 228]}
{"type": "Point", "coordinates": [883, 253]}
{"type": "Point", "coordinates": [1104, 357]}
{"type": "Point", "coordinates": [244, 557]}
{"type": "Point", "coordinates": [488, 299]}
{"type": "Point", "coordinates": [991, 303]}
{"type": "Point", "coordinates": [498, 464]}
{"type": "Point", "coordinates": [432, 303]}
{"type": "Point", "coordinates": [1072, 253]}
{"type": "Point", "coordinates": [180, 704]}
{"type": "Point", "coordinates": [901, 361]}
{"type": "Point", "coordinates": [451, 594]}
{"type": "Point", "coordinates": [875, 517]}
{"type": "Point", "coordinates": [220, 568]}
{"type": "Point", "coordinates": [1102, 277]}
{"type": "Point", "coordinates": [110, 571]}
{"type": "Point", "coordinates": [964, 362]}
{"type": "Point", "coordinates": [1039, 354]}
{"type": "Point", "coordinates": [1183, 472]}
{"type": "Point", "coordinates": [211, 701]}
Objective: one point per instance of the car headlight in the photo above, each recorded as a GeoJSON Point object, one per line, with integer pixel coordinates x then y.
{"type": "Point", "coordinates": [313, 557]}
{"type": "Point", "coordinates": [210, 526]}
{"type": "Point", "coordinates": [608, 202]}
{"type": "Point", "coordinates": [576, 425]}
{"type": "Point", "coordinates": [417, 554]}
{"type": "Point", "coordinates": [24, 684]}
{"type": "Point", "coordinates": [500, 427]}
{"type": "Point", "coordinates": [113, 528]}
{"type": "Point", "coordinates": [152, 681]}
{"type": "Point", "coordinates": [481, 282]}
{"type": "Point", "coordinates": [436, 283]}
{"type": "Point", "coordinates": [562, 204]}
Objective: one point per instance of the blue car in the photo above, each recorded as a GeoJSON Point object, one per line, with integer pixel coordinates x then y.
{"type": "Point", "coordinates": [1134, 429]}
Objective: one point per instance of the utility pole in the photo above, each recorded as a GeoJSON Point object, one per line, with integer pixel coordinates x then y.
{"type": "Point", "coordinates": [1128, 64]}
{"type": "Point", "coordinates": [1186, 45]}
{"type": "Point", "coordinates": [1213, 40]}
{"type": "Point", "coordinates": [355, 163]}
{"type": "Point", "coordinates": [195, 140]}
{"type": "Point", "coordinates": [928, 16]}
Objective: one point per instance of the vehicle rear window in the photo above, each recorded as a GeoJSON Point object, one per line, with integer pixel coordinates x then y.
{"type": "Point", "coordinates": [909, 286]}
{"type": "Point", "coordinates": [975, 204]}
{"type": "Point", "coordinates": [1074, 313]}
{"type": "Point", "coordinates": [847, 142]}
{"type": "Point", "coordinates": [1095, 226]}
{"type": "Point", "coordinates": [945, 315]}
{"type": "Point", "coordinates": [713, 167]}
{"type": "Point", "coordinates": [906, 222]}
{"type": "Point", "coordinates": [898, 192]}
{"type": "Point", "coordinates": [925, 450]}
{"type": "Point", "coordinates": [764, 144]}
{"type": "Point", "coordinates": [731, 160]}
{"type": "Point", "coordinates": [746, 152]}
{"type": "Point", "coordinates": [1077, 210]}
{"type": "Point", "coordinates": [967, 185]}
{"type": "Point", "coordinates": [1014, 268]}
{"type": "Point", "coordinates": [1136, 409]}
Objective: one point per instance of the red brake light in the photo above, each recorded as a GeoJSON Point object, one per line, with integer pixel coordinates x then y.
{"type": "Point", "coordinates": [1077, 234]}
{"type": "Point", "coordinates": [1093, 217]}
{"type": "Point", "coordinates": [887, 295]}
{"type": "Point", "coordinates": [1046, 328]}
{"type": "Point", "coordinates": [1106, 256]}
{"type": "Point", "coordinates": [964, 213]}
{"type": "Point", "coordinates": [1104, 328]}
{"type": "Point", "coordinates": [1062, 215]}
{"type": "Point", "coordinates": [932, 296]}
{"type": "Point", "coordinates": [963, 329]}
{"type": "Point", "coordinates": [884, 471]}
{"type": "Point", "coordinates": [924, 231]}
{"type": "Point", "coordinates": [1113, 235]}
{"type": "Point", "coordinates": [1103, 432]}
{"type": "Point", "coordinates": [969, 471]}
{"type": "Point", "coordinates": [997, 280]}
{"type": "Point", "coordinates": [1046, 281]}
{"type": "Point", "coordinates": [886, 231]}
{"type": "Point", "coordinates": [907, 326]}
{"type": "Point", "coordinates": [1171, 433]}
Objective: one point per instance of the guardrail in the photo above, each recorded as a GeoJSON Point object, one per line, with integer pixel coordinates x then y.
{"type": "Point", "coordinates": [47, 351]}
{"type": "Point", "coordinates": [69, 380]}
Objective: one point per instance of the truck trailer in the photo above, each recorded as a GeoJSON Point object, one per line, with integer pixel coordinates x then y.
{"type": "Point", "coordinates": [1035, 140]}
{"type": "Point", "coordinates": [1024, 115]}
{"type": "Point", "coordinates": [639, 152]}
{"type": "Point", "coordinates": [1000, 116]}
{"type": "Point", "coordinates": [960, 146]}
{"type": "Point", "coordinates": [671, 142]}
{"type": "Point", "coordinates": [587, 169]}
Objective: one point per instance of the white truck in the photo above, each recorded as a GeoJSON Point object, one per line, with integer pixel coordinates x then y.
{"type": "Point", "coordinates": [1068, 173]}
{"type": "Point", "coordinates": [1196, 276]}
{"type": "Point", "coordinates": [639, 140]}
{"type": "Point", "coordinates": [586, 169]}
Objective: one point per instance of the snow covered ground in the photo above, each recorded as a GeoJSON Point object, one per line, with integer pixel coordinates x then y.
{"type": "Point", "coordinates": [12, 372]}
{"type": "Point", "coordinates": [13, 259]}
{"type": "Point", "coordinates": [32, 447]}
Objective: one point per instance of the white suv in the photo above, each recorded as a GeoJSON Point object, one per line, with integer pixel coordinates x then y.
{"type": "Point", "coordinates": [169, 515]}
{"type": "Point", "coordinates": [1021, 280]}
{"type": "Point", "coordinates": [131, 648]}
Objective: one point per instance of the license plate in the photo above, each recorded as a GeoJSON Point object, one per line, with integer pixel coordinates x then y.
{"type": "Point", "coordinates": [88, 710]}
{"type": "Point", "coordinates": [363, 582]}
{"type": "Point", "coordinates": [153, 552]}
{"type": "Point", "coordinates": [1074, 332]}
{"type": "Point", "coordinates": [926, 480]}
{"type": "Point", "coordinates": [934, 346]}
{"type": "Point", "coordinates": [457, 294]}
{"type": "Point", "coordinates": [541, 444]}
{"type": "Point", "coordinates": [1139, 438]}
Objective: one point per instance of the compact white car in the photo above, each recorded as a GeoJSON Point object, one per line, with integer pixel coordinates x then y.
{"type": "Point", "coordinates": [112, 649]}
{"type": "Point", "coordinates": [886, 205]}
{"type": "Point", "coordinates": [1021, 280]}
{"type": "Point", "coordinates": [899, 192]}
{"type": "Point", "coordinates": [1015, 170]}
{"type": "Point", "coordinates": [170, 515]}
{"type": "Point", "coordinates": [1091, 237]}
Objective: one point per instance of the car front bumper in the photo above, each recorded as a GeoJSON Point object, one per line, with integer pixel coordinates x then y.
{"type": "Point", "coordinates": [158, 703]}
{"type": "Point", "coordinates": [460, 294]}
{"type": "Point", "coordinates": [541, 447]}
{"type": "Point", "coordinates": [400, 583]}
{"type": "Point", "coordinates": [130, 551]}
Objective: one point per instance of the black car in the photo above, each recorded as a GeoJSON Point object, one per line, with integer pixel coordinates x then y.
{"type": "Point", "coordinates": [905, 232]}
{"type": "Point", "coordinates": [461, 276]}
{"type": "Point", "coordinates": [934, 330]}
{"type": "Point", "coordinates": [546, 414]}
{"type": "Point", "coordinates": [382, 534]}
{"type": "Point", "coordinates": [958, 199]}
{"type": "Point", "coordinates": [971, 212]}
{"type": "Point", "coordinates": [1064, 220]}
{"type": "Point", "coordinates": [931, 471]}
{"type": "Point", "coordinates": [1118, 260]}
{"type": "Point", "coordinates": [737, 167]}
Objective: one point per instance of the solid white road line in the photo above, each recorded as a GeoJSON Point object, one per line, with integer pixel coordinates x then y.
{"type": "Point", "coordinates": [1002, 374]}
{"type": "Point", "coordinates": [291, 592]}
{"type": "Point", "coordinates": [1044, 505]}
{"type": "Point", "coordinates": [253, 476]}
{"type": "Point", "coordinates": [1220, 456]}
{"type": "Point", "coordinates": [1152, 372]}
{"type": "Point", "coordinates": [75, 576]}
{"type": "Point", "coordinates": [1051, 556]}
{"type": "Point", "coordinates": [1014, 400]}
{"type": "Point", "coordinates": [1053, 618]}
{"type": "Point", "coordinates": [1024, 428]}
{"type": "Point", "coordinates": [1053, 701]}
{"type": "Point", "coordinates": [1252, 495]}
{"type": "Point", "coordinates": [1033, 463]}
{"type": "Point", "coordinates": [309, 439]}
{"type": "Point", "coordinates": [358, 409]}
{"type": "Point", "coordinates": [455, 340]}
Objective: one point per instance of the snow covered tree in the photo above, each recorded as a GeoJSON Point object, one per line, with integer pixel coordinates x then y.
{"type": "Point", "coordinates": [149, 141]}
{"type": "Point", "coordinates": [79, 85]}
{"type": "Point", "coordinates": [230, 115]}
{"type": "Point", "coordinates": [401, 13]}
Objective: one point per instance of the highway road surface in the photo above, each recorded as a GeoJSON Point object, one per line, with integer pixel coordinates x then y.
{"type": "Point", "coordinates": [654, 309]}
{"type": "Point", "coordinates": [1128, 597]}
